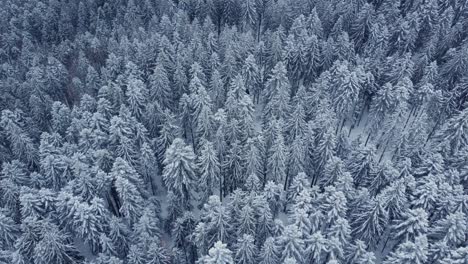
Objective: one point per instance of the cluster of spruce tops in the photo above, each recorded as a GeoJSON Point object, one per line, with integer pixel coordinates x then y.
{"type": "Point", "coordinates": [233, 131]}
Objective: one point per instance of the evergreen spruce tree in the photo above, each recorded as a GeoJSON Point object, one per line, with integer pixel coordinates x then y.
{"type": "Point", "coordinates": [136, 96]}
{"type": "Point", "coordinates": [414, 252]}
{"type": "Point", "coordinates": [277, 158]}
{"type": "Point", "coordinates": [451, 229]}
{"type": "Point", "coordinates": [179, 170]}
{"type": "Point", "coordinates": [317, 246]}
{"type": "Point", "coordinates": [245, 250]}
{"type": "Point", "coordinates": [209, 167]}
{"type": "Point", "coordinates": [291, 243]}
{"type": "Point", "coordinates": [370, 221]}
{"type": "Point", "coordinates": [10, 231]}
{"type": "Point", "coordinates": [413, 224]}
{"type": "Point", "coordinates": [269, 252]}
{"type": "Point", "coordinates": [219, 254]}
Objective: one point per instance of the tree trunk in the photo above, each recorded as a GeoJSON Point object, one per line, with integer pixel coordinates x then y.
{"type": "Point", "coordinates": [286, 181]}
{"type": "Point", "coordinates": [259, 28]}
{"type": "Point", "coordinates": [395, 152]}
{"type": "Point", "coordinates": [193, 140]}
{"type": "Point", "coordinates": [367, 139]}
{"type": "Point", "coordinates": [379, 144]}
{"type": "Point", "coordinates": [432, 131]}
{"type": "Point", "coordinates": [362, 113]}
{"type": "Point", "coordinates": [408, 118]}
{"type": "Point", "coordinates": [153, 189]}
{"type": "Point", "coordinates": [385, 244]}
{"type": "Point", "coordinates": [314, 179]}
{"type": "Point", "coordinates": [114, 201]}
{"type": "Point", "coordinates": [383, 151]}
{"type": "Point", "coordinates": [286, 178]}
{"type": "Point", "coordinates": [219, 24]}
{"type": "Point", "coordinates": [342, 124]}
{"type": "Point", "coordinates": [350, 129]}
{"type": "Point", "coordinates": [221, 187]}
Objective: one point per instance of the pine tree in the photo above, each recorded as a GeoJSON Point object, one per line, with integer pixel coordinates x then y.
{"type": "Point", "coordinates": [119, 234]}
{"type": "Point", "coordinates": [361, 165]}
{"type": "Point", "coordinates": [367, 258]}
{"type": "Point", "coordinates": [325, 151]}
{"type": "Point", "coordinates": [292, 56]}
{"type": "Point", "coordinates": [13, 175]}
{"type": "Point", "coordinates": [296, 160]}
{"type": "Point", "coordinates": [273, 193]}
{"type": "Point", "coordinates": [217, 219]}
{"type": "Point", "coordinates": [89, 220]}
{"type": "Point", "coordinates": [292, 245]}
{"type": "Point", "coordinates": [250, 72]}
{"type": "Point", "coordinates": [334, 204]}
{"type": "Point", "coordinates": [229, 65]}
{"type": "Point", "coordinates": [383, 103]}
{"type": "Point", "coordinates": [396, 198]}
{"type": "Point", "coordinates": [316, 247]}
{"type": "Point", "coordinates": [160, 86]}
{"type": "Point", "coordinates": [21, 143]}
{"type": "Point", "coordinates": [61, 116]}
{"type": "Point", "coordinates": [370, 220]}
{"type": "Point", "coordinates": [263, 218]}
{"type": "Point", "coordinates": [148, 165]}
{"type": "Point", "coordinates": [38, 203]}
{"type": "Point", "coordinates": [129, 198]}
{"type": "Point", "coordinates": [299, 184]}
{"type": "Point", "coordinates": [54, 246]}
{"type": "Point", "coordinates": [157, 254]}
{"type": "Point", "coordinates": [217, 88]}
{"type": "Point", "coordinates": [454, 132]}
{"type": "Point", "coordinates": [277, 158]}
{"type": "Point", "coordinates": [219, 254]}
{"type": "Point", "coordinates": [458, 255]}
{"type": "Point", "coordinates": [209, 167]}
{"type": "Point", "coordinates": [277, 93]}
{"type": "Point", "coordinates": [451, 229]}
{"type": "Point", "coordinates": [335, 250]}
{"type": "Point", "coordinates": [334, 169]}
{"type": "Point", "coordinates": [269, 252]}
{"type": "Point", "coordinates": [252, 158]}
{"type": "Point", "coordinates": [297, 125]}
{"type": "Point", "coordinates": [252, 183]}
{"type": "Point", "coordinates": [233, 167]}
{"type": "Point", "coordinates": [341, 230]}
{"type": "Point", "coordinates": [146, 228]}
{"type": "Point", "coordinates": [245, 221]}
{"type": "Point", "coordinates": [301, 220]}
{"type": "Point", "coordinates": [180, 81]}
{"type": "Point", "coordinates": [136, 96]}
{"type": "Point", "coordinates": [356, 251]}
{"type": "Point", "coordinates": [346, 95]}
{"type": "Point", "coordinates": [168, 131]}
{"type": "Point", "coordinates": [122, 139]}
{"type": "Point", "coordinates": [202, 113]}
{"type": "Point", "coordinates": [385, 174]}
{"type": "Point", "coordinates": [136, 255]}
{"type": "Point", "coordinates": [179, 170]}
{"type": "Point", "coordinates": [10, 231]}
{"type": "Point", "coordinates": [245, 250]}
{"type": "Point", "coordinates": [410, 252]}
{"type": "Point", "coordinates": [413, 224]}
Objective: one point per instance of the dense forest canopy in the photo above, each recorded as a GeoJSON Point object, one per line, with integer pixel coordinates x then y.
{"type": "Point", "coordinates": [234, 131]}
